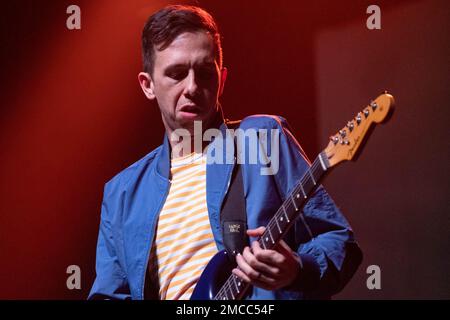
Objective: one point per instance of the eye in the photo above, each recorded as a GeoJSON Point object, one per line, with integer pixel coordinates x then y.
{"type": "Point", "coordinates": [177, 74]}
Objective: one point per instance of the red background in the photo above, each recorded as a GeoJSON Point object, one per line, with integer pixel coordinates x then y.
{"type": "Point", "coordinates": [72, 115]}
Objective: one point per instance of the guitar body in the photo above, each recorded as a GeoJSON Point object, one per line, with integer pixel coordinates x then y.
{"type": "Point", "coordinates": [213, 277]}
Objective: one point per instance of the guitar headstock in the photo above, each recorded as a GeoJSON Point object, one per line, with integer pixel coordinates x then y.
{"type": "Point", "coordinates": [346, 142]}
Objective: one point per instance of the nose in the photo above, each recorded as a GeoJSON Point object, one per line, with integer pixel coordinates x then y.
{"type": "Point", "coordinates": [191, 87]}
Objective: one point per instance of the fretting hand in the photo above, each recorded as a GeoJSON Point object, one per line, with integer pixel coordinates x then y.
{"type": "Point", "coordinates": [268, 269]}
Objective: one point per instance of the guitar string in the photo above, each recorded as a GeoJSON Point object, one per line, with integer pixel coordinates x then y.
{"type": "Point", "coordinates": [294, 191]}
{"type": "Point", "coordinates": [304, 178]}
{"type": "Point", "coordinates": [289, 206]}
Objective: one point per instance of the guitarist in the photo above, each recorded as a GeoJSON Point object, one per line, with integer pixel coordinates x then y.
{"type": "Point", "coordinates": [160, 218]}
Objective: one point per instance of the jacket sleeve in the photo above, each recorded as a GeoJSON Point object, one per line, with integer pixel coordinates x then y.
{"type": "Point", "coordinates": [324, 239]}
{"type": "Point", "coordinates": [110, 281]}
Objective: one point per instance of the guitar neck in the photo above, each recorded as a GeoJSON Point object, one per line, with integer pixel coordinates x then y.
{"type": "Point", "coordinates": [343, 146]}
{"type": "Point", "coordinates": [292, 206]}
{"type": "Point", "coordinates": [280, 223]}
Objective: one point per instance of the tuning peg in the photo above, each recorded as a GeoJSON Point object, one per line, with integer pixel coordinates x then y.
{"type": "Point", "coordinates": [334, 139]}
{"type": "Point", "coordinates": [358, 118]}
{"type": "Point", "coordinates": [374, 105]}
{"type": "Point", "coordinates": [350, 126]}
{"type": "Point", "coordinates": [342, 133]}
{"type": "Point", "coordinates": [366, 112]}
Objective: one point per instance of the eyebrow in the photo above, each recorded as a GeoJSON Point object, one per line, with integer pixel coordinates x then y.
{"type": "Point", "coordinates": [183, 65]}
{"type": "Point", "coordinates": [174, 66]}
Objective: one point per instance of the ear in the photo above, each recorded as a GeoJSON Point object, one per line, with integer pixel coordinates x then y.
{"type": "Point", "coordinates": [147, 85]}
{"type": "Point", "coordinates": [223, 78]}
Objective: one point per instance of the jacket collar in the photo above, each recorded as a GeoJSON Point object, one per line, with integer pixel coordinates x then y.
{"type": "Point", "coordinates": [163, 164]}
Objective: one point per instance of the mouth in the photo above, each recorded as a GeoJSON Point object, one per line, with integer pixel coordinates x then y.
{"type": "Point", "coordinates": [190, 108]}
{"type": "Point", "coordinates": [190, 111]}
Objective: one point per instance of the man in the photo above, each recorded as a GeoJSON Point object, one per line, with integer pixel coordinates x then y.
{"type": "Point", "coordinates": [160, 219]}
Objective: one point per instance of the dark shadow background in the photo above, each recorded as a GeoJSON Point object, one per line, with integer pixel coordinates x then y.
{"type": "Point", "coordinates": [72, 115]}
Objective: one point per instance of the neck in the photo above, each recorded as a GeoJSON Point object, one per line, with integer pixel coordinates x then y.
{"type": "Point", "coordinates": [186, 141]}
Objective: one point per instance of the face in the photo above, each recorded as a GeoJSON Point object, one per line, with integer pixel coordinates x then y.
{"type": "Point", "coordinates": [186, 82]}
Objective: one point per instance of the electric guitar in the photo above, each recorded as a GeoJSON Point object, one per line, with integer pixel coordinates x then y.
{"type": "Point", "coordinates": [217, 282]}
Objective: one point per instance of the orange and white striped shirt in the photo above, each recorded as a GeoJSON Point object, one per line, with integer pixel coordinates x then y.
{"type": "Point", "coordinates": [184, 242]}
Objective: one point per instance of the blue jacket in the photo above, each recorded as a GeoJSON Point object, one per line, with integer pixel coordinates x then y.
{"type": "Point", "coordinates": [133, 199]}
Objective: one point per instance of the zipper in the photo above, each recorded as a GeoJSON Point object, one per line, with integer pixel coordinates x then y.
{"type": "Point", "coordinates": [151, 240]}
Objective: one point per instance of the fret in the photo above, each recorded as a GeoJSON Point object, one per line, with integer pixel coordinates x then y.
{"type": "Point", "coordinates": [266, 238]}
{"type": "Point", "coordinates": [228, 291]}
{"type": "Point", "coordinates": [307, 184]}
{"type": "Point", "coordinates": [281, 220]}
{"type": "Point", "coordinates": [235, 283]}
{"type": "Point", "coordinates": [239, 281]}
{"type": "Point", "coordinates": [270, 234]}
{"type": "Point", "coordinates": [317, 170]}
{"type": "Point", "coordinates": [263, 243]}
{"type": "Point", "coordinates": [278, 226]}
{"type": "Point", "coordinates": [221, 296]}
{"type": "Point", "coordinates": [293, 202]}
{"type": "Point", "coordinates": [225, 289]}
{"type": "Point", "coordinates": [303, 190]}
{"type": "Point", "coordinates": [231, 290]}
{"type": "Point", "coordinates": [312, 177]}
{"type": "Point", "coordinates": [224, 295]}
{"type": "Point", "coordinates": [285, 214]}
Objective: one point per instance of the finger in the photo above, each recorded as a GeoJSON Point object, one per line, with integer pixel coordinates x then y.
{"type": "Point", "coordinates": [255, 267]}
{"type": "Point", "coordinates": [241, 275]}
{"type": "Point", "coordinates": [246, 261]}
{"type": "Point", "coordinates": [256, 277]}
{"type": "Point", "coordinates": [266, 260]}
{"type": "Point", "coordinates": [263, 282]}
{"type": "Point", "coordinates": [268, 256]}
{"type": "Point", "coordinates": [258, 266]}
{"type": "Point", "coordinates": [256, 232]}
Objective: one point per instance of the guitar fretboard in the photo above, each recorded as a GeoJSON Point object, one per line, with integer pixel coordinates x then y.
{"type": "Point", "coordinates": [234, 288]}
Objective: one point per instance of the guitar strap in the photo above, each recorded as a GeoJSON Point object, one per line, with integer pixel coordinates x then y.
{"type": "Point", "coordinates": [233, 216]}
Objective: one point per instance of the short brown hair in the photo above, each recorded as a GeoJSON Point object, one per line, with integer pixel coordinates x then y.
{"type": "Point", "coordinates": [166, 24]}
